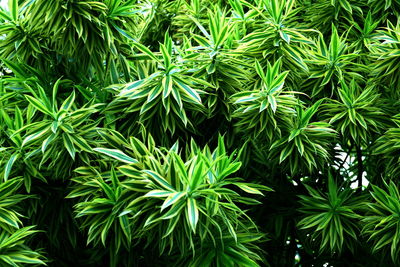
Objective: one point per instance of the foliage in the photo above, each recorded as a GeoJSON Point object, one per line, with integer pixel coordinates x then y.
{"type": "Point", "coordinates": [356, 114]}
{"type": "Point", "coordinates": [381, 224]}
{"type": "Point", "coordinates": [199, 133]}
{"type": "Point", "coordinates": [331, 216]}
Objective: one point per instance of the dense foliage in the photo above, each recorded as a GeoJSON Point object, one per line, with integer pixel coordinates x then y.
{"type": "Point", "coordinates": [200, 133]}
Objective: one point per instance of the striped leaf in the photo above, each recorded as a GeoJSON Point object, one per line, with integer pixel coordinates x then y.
{"type": "Point", "coordinates": [39, 105]}
{"type": "Point", "coordinates": [158, 193]}
{"type": "Point", "coordinates": [158, 180]}
{"type": "Point", "coordinates": [192, 213]}
{"type": "Point", "coordinates": [116, 154]}
{"type": "Point", "coordinates": [37, 135]}
{"type": "Point", "coordinates": [7, 170]}
{"type": "Point", "coordinates": [69, 145]}
{"type": "Point", "coordinates": [9, 218]}
{"type": "Point", "coordinates": [13, 7]}
{"type": "Point", "coordinates": [249, 189]}
{"type": "Point", "coordinates": [172, 199]}
{"type": "Point", "coordinates": [67, 104]}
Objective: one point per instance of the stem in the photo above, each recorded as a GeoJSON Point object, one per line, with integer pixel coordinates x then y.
{"type": "Point", "coordinates": [360, 167]}
{"type": "Point", "coordinates": [347, 156]}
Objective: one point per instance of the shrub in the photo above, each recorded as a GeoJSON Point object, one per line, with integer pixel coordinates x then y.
{"type": "Point", "coordinates": [199, 133]}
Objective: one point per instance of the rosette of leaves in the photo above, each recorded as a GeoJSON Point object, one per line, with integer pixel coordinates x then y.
{"type": "Point", "coordinates": [341, 13]}
{"type": "Point", "coordinates": [361, 36]}
{"type": "Point", "coordinates": [163, 98]}
{"type": "Point", "coordinates": [13, 249]}
{"type": "Point", "coordinates": [305, 145]}
{"type": "Point", "coordinates": [268, 107]}
{"type": "Point", "coordinates": [331, 218]}
{"type": "Point", "coordinates": [102, 196]}
{"type": "Point", "coordinates": [384, 58]}
{"type": "Point", "coordinates": [100, 209]}
{"type": "Point", "coordinates": [388, 146]}
{"type": "Point", "coordinates": [120, 22]}
{"type": "Point", "coordinates": [227, 251]}
{"type": "Point", "coordinates": [10, 199]}
{"type": "Point", "coordinates": [382, 9]}
{"type": "Point", "coordinates": [21, 40]}
{"type": "Point", "coordinates": [14, 115]}
{"type": "Point", "coordinates": [215, 60]}
{"type": "Point", "coordinates": [357, 113]}
{"type": "Point", "coordinates": [75, 27]}
{"type": "Point", "coordinates": [382, 225]}
{"type": "Point", "coordinates": [184, 23]}
{"type": "Point", "coordinates": [55, 129]}
{"type": "Point", "coordinates": [194, 199]}
{"type": "Point", "coordinates": [119, 28]}
{"type": "Point", "coordinates": [156, 18]}
{"type": "Point", "coordinates": [84, 33]}
{"type": "Point", "coordinates": [111, 204]}
{"type": "Point", "coordinates": [331, 64]}
{"type": "Point", "coordinates": [13, 161]}
{"type": "Point", "coordinates": [274, 35]}
{"type": "Point", "coordinates": [243, 16]}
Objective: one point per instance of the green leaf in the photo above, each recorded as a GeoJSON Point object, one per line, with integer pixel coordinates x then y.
{"type": "Point", "coordinates": [39, 105]}
{"type": "Point", "coordinates": [192, 213]}
{"type": "Point", "coordinates": [116, 154]}
{"type": "Point", "coordinates": [346, 5]}
{"type": "Point", "coordinates": [248, 188]}
{"type": "Point", "coordinates": [197, 174]}
{"type": "Point", "coordinates": [190, 92]}
{"type": "Point", "coordinates": [145, 50]}
{"type": "Point", "coordinates": [17, 237]}
{"type": "Point", "coordinates": [259, 69]}
{"type": "Point", "coordinates": [18, 120]}
{"type": "Point", "coordinates": [284, 36]}
{"type": "Point", "coordinates": [272, 102]}
{"type": "Point", "coordinates": [6, 16]}
{"type": "Point", "coordinates": [13, 7]}
{"type": "Point", "coordinates": [287, 150]}
{"type": "Point", "coordinates": [158, 180]}
{"type": "Point", "coordinates": [126, 228]}
{"type": "Point", "coordinates": [167, 84]}
{"type": "Point", "coordinates": [124, 33]}
{"type": "Point", "coordinates": [28, 259]}
{"type": "Point", "coordinates": [35, 136]}
{"type": "Point", "coordinates": [172, 199]}
{"type": "Point", "coordinates": [80, 142]}
{"type": "Point", "coordinates": [9, 218]}
{"type": "Point", "coordinates": [67, 104]}
{"type": "Point", "coordinates": [159, 193]}
{"type": "Point", "coordinates": [69, 145]}
{"type": "Point", "coordinates": [14, 157]}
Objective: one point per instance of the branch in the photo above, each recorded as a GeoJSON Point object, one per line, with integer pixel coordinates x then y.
{"type": "Point", "coordinates": [360, 167]}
